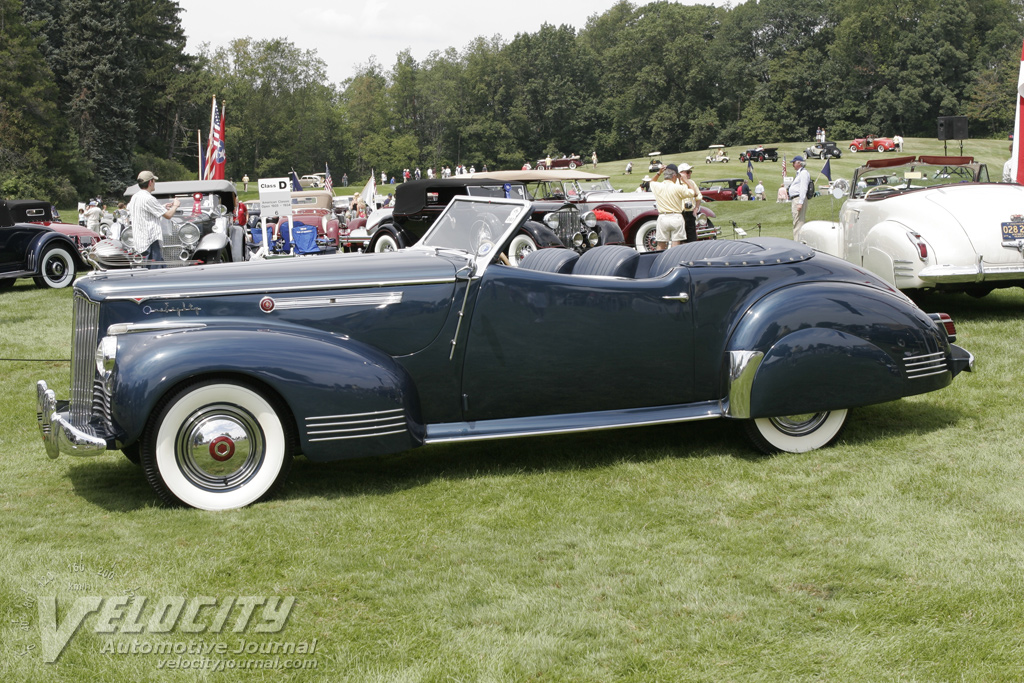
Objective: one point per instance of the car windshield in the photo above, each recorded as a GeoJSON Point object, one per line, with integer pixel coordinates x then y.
{"type": "Point", "coordinates": [916, 175]}
{"type": "Point", "coordinates": [475, 225]}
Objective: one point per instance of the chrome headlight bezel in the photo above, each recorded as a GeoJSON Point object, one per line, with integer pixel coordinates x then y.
{"type": "Point", "coordinates": [106, 356]}
{"type": "Point", "coordinates": [590, 219]}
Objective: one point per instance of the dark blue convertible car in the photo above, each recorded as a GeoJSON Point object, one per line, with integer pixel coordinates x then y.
{"type": "Point", "coordinates": [215, 377]}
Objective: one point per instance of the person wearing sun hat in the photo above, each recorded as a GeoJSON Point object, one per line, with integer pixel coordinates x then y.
{"type": "Point", "coordinates": [145, 212]}
{"type": "Point", "coordinates": [799, 193]}
{"type": "Point", "coordinates": [690, 210]}
{"type": "Point", "coordinates": [93, 214]}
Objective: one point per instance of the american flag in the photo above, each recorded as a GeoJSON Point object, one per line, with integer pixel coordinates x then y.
{"type": "Point", "coordinates": [328, 182]}
{"type": "Point", "coordinates": [215, 156]}
{"type": "Point", "coordinates": [783, 168]}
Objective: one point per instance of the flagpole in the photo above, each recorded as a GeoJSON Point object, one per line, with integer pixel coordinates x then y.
{"type": "Point", "coordinates": [1018, 139]}
{"type": "Point", "coordinates": [199, 151]}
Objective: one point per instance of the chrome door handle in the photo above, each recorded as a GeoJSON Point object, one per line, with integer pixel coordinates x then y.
{"type": "Point", "coordinates": [684, 297]}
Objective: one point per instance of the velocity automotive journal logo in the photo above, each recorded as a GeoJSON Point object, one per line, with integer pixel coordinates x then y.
{"type": "Point", "coordinates": [140, 615]}
{"type": "Point", "coordinates": [234, 632]}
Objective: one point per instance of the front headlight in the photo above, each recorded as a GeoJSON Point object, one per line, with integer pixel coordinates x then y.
{"type": "Point", "coordinates": [189, 234]}
{"type": "Point", "coordinates": [593, 238]}
{"type": "Point", "coordinates": [106, 356]}
{"type": "Point", "coordinates": [551, 220]}
{"type": "Point", "coordinates": [577, 240]}
{"type": "Point", "coordinates": [590, 219]}
{"type": "Point", "coordinates": [702, 221]}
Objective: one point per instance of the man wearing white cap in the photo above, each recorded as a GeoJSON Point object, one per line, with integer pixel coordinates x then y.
{"type": "Point", "coordinates": [93, 214]}
{"type": "Point", "coordinates": [145, 213]}
{"type": "Point", "coordinates": [799, 192]}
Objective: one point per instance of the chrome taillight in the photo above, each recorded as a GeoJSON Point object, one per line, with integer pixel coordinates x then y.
{"type": "Point", "coordinates": [919, 243]}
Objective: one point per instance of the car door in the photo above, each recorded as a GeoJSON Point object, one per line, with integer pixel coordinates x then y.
{"type": "Point", "coordinates": [546, 344]}
{"type": "Point", "coordinates": [14, 245]}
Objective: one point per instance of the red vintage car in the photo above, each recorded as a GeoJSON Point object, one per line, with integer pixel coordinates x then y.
{"type": "Point", "coordinates": [720, 190]}
{"type": "Point", "coordinates": [570, 162]}
{"type": "Point", "coordinates": [872, 144]}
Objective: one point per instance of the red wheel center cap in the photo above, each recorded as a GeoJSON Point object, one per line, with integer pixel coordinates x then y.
{"type": "Point", "coordinates": [222, 448]}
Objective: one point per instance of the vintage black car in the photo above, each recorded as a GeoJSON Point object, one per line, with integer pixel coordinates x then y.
{"type": "Point", "coordinates": [30, 249]}
{"type": "Point", "coordinates": [823, 150]}
{"type": "Point", "coordinates": [760, 154]}
{"type": "Point", "coordinates": [216, 377]}
{"type": "Point", "coordinates": [204, 229]}
{"type": "Point", "coordinates": [418, 203]}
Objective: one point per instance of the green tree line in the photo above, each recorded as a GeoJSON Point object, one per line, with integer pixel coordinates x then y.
{"type": "Point", "coordinates": [95, 90]}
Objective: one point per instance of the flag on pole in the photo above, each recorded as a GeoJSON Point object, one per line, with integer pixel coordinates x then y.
{"type": "Point", "coordinates": [215, 156]}
{"type": "Point", "coordinates": [1018, 138]}
{"type": "Point", "coordinates": [826, 170]}
{"type": "Point", "coordinates": [296, 185]}
{"type": "Point", "coordinates": [328, 182]}
{"type": "Point", "coordinates": [750, 171]}
{"type": "Point", "coordinates": [783, 168]}
{"type": "Point", "coordinates": [369, 191]}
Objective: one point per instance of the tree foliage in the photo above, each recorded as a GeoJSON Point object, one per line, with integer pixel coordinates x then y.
{"type": "Point", "coordinates": [105, 88]}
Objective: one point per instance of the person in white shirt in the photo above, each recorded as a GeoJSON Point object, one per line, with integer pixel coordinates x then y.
{"type": "Point", "coordinates": [145, 212]}
{"type": "Point", "coordinates": [93, 214]}
{"type": "Point", "coordinates": [799, 192]}
{"type": "Point", "coordinates": [759, 191]}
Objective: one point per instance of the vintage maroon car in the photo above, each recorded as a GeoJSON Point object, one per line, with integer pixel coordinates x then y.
{"type": "Point", "coordinates": [634, 212]}
{"type": "Point", "coordinates": [871, 143]}
{"type": "Point", "coordinates": [570, 162]}
{"type": "Point", "coordinates": [316, 207]}
{"type": "Point", "coordinates": [720, 190]}
{"type": "Point", "coordinates": [36, 211]}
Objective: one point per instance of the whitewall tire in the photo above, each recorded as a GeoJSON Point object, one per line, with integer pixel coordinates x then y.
{"type": "Point", "coordinates": [56, 269]}
{"type": "Point", "coordinates": [386, 242]}
{"type": "Point", "coordinates": [216, 445]}
{"type": "Point", "coordinates": [521, 246]}
{"type": "Point", "coordinates": [645, 237]}
{"type": "Point", "coordinates": [796, 433]}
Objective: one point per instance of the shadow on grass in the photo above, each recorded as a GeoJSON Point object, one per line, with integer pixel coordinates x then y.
{"type": "Point", "coordinates": [117, 485]}
{"type": "Point", "coordinates": [1000, 305]}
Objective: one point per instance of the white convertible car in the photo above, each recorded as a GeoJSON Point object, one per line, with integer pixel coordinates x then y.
{"type": "Point", "coordinates": [929, 222]}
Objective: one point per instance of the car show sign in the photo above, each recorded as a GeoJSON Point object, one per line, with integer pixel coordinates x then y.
{"type": "Point", "coordinates": [275, 197]}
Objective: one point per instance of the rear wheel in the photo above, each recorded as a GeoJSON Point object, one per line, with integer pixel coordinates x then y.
{"type": "Point", "coordinates": [796, 433]}
{"type": "Point", "coordinates": [217, 445]}
{"type": "Point", "coordinates": [645, 237]}
{"type": "Point", "coordinates": [57, 268]}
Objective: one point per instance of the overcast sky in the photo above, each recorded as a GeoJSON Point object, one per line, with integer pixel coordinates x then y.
{"type": "Point", "coordinates": [345, 34]}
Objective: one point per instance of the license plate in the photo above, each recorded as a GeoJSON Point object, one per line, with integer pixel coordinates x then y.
{"type": "Point", "coordinates": [1013, 231]}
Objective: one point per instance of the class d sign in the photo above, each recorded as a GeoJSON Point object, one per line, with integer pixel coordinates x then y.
{"type": "Point", "coordinates": [275, 197]}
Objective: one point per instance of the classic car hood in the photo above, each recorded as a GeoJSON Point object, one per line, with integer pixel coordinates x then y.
{"type": "Point", "coordinates": [299, 273]}
{"type": "Point", "coordinates": [979, 211]}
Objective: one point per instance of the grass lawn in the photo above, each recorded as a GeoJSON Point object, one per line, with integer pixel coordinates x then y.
{"type": "Point", "coordinates": [664, 554]}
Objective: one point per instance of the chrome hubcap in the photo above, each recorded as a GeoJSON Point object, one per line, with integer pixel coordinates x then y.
{"type": "Point", "coordinates": [220, 446]}
{"type": "Point", "coordinates": [799, 425]}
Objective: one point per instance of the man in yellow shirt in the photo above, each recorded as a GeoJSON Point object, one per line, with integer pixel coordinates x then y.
{"type": "Point", "coordinates": [671, 197]}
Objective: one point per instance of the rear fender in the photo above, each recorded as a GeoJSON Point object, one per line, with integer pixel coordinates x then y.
{"type": "Point", "coordinates": [820, 235]}
{"type": "Point", "coordinates": [807, 348]}
{"type": "Point", "coordinates": [347, 399]}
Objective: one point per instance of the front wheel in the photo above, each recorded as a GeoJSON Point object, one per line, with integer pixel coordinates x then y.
{"type": "Point", "coordinates": [216, 445]}
{"type": "Point", "coordinates": [853, 148]}
{"type": "Point", "coordinates": [645, 237]}
{"type": "Point", "coordinates": [796, 433]}
{"type": "Point", "coordinates": [386, 241]}
{"type": "Point", "coordinates": [57, 269]}
{"type": "Point", "coordinates": [521, 245]}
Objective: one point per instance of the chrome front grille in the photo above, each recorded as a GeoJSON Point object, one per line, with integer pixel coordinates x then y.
{"type": "Point", "coordinates": [568, 224]}
{"type": "Point", "coordinates": [925, 365]}
{"type": "Point", "coordinates": [83, 360]}
{"type": "Point", "coordinates": [355, 425]}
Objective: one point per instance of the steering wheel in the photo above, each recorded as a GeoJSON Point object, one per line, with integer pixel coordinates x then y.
{"type": "Point", "coordinates": [880, 189]}
{"type": "Point", "coordinates": [486, 228]}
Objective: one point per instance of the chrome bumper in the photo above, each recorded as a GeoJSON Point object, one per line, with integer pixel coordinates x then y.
{"type": "Point", "coordinates": [962, 360]}
{"type": "Point", "coordinates": [59, 435]}
{"type": "Point", "coordinates": [979, 272]}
